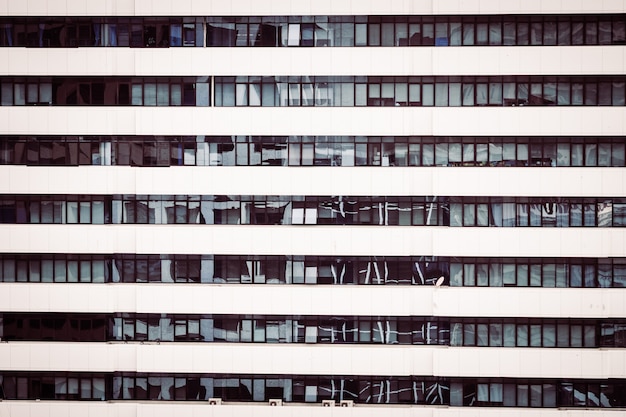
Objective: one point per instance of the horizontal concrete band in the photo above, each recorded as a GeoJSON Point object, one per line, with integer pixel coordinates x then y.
{"type": "Point", "coordinates": [341, 240]}
{"type": "Point", "coordinates": [287, 359]}
{"type": "Point", "coordinates": [375, 121]}
{"type": "Point", "coordinates": [349, 61]}
{"type": "Point", "coordinates": [316, 181]}
{"type": "Point", "coordinates": [193, 409]}
{"type": "Point", "coordinates": [327, 300]}
{"type": "Point", "coordinates": [305, 7]}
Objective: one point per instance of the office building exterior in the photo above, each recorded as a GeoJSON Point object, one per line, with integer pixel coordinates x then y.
{"type": "Point", "coordinates": [399, 208]}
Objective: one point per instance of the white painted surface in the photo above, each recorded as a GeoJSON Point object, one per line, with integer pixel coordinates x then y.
{"type": "Point", "coordinates": [304, 7]}
{"type": "Point", "coordinates": [424, 61]}
{"type": "Point", "coordinates": [300, 359]}
{"type": "Point", "coordinates": [327, 300]}
{"type": "Point", "coordinates": [381, 121]}
{"type": "Point", "coordinates": [195, 409]}
{"type": "Point", "coordinates": [315, 240]}
{"type": "Point", "coordinates": [317, 181]}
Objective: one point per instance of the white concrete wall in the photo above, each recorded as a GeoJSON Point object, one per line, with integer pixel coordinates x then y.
{"type": "Point", "coordinates": [382, 121]}
{"type": "Point", "coordinates": [292, 359]}
{"type": "Point", "coordinates": [317, 181]}
{"type": "Point", "coordinates": [348, 300]}
{"type": "Point", "coordinates": [424, 61]}
{"type": "Point", "coordinates": [315, 240]}
{"type": "Point", "coordinates": [307, 7]}
{"type": "Point", "coordinates": [168, 409]}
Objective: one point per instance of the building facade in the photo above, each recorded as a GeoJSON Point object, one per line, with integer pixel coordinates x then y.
{"type": "Point", "coordinates": [408, 208]}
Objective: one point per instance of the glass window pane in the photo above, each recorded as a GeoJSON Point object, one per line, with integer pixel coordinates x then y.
{"type": "Point", "coordinates": [522, 33]}
{"type": "Point", "coordinates": [604, 32]}
{"type": "Point", "coordinates": [495, 275]}
{"type": "Point", "coordinates": [618, 155]}
{"type": "Point", "coordinates": [535, 335]}
{"type": "Point", "coordinates": [482, 34]}
{"type": "Point", "coordinates": [163, 94]}
{"type": "Point", "coordinates": [455, 33]}
{"type": "Point", "coordinates": [360, 33]}
{"type": "Point", "coordinates": [469, 335]}
{"type": "Point", "coordinates": [549, 395]}
{"type": "Point", "coordinates": [137, 94]}
{"type": "Point", "coordinates": [495, 33]}
{"type": "Point", "coordinates": [562, 335]}
{"type": "Point", "coordinates": [428, 91]}
{"type": "Point", "coordinates": [469, 215]}
{"type": "Point", "coordinates": [468, 33]}
{"type": "Point", "coordinates": [549, 335]}
{"type": "Point", "coordinates": [508, 36]}
{"type": "Point", "coordinates": [176, 95]}
{"type": "Point", "coordinates": [495, 334]}
{"type": "Point", "coordinates": [576, 335]}
{"type": "Point", "coordinates": [509, 334]}
{"type": "Point", "coordinates": [202, 94]}
{"type": "Point", "coordinates": [6, 94]}
{"type": "Point", "coordinates": [455, 94]}
{"type": "Point", "coordinates": [149, 94]}
{"type": "Point", "coordinates": [469, 275]}
{"type": "Point", "coordinates": [564, 33]}
{"type": "Point", "coordinates": [563, 94]}
{"type": "Point", "coordinates": [536, 33]}
{"type": "Point", "coordinates": [522, 395]}
{"type": "Point", "coordinates": [604, 94]}
{"type": "Point", "coordinates": [441, 94]}
{"type": "Point", "coordinates": [619, 32]}
{"type": "Point", "coordinates": [536, 392]}
{"type": "Point", "coordinates": [374, 34]}
{"type": "Point", "coordinates": [482, 332]}
{"type": "Point", "coordinates": [45, 93]}
{"type": "Point", "coordinates": [522, 335]}
{"type": "Point", "coordinates": [387, 34]}
{"type": "Point", "coordinates": [468, 94]}
{"type": "Point", "coordinates": [577, 33]}
{"type": "Point", "coordinates": [456, 394]}
{"type": "Point", "coordinates": [241, 95]}
{"type": "Point", "coordinates": [618, 93]}
{"type": "Point", "coordinates": [549, 33]}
